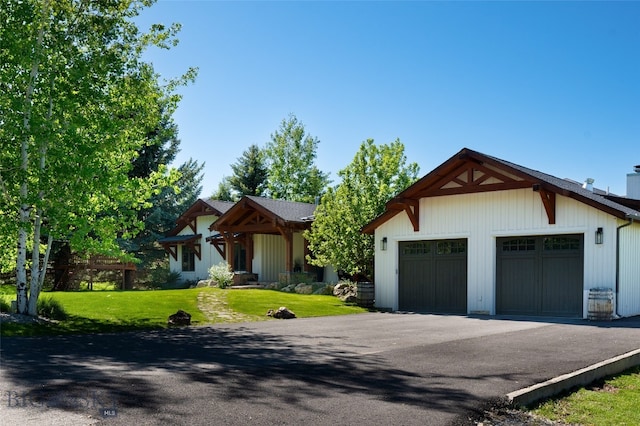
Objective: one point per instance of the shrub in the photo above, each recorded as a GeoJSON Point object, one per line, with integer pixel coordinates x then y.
{"type": "Point", "coordinates": [50, 308]}
{"type": "Point", "coordinates": [221, 274]}
{"type": "Point", "coordinates": [4, 305]}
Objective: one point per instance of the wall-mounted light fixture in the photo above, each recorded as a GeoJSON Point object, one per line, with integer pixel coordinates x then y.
{"type": "Point", "coordinates": [599, 236]}
{"type": "Point", "coordinates": [383, 243]}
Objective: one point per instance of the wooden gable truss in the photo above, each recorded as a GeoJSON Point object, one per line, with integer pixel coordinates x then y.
{"type": "Point", "coordinates": [465, 173]}
{"type": "Point", "coordinates": [247, 218]}
{"type": "Point", "coordinates": [170, 244]}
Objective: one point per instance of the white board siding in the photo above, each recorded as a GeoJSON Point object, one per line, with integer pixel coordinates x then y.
{"type": "Point", "coordinates": [269, 255]}
{"type": "Point", "coordinates": [629, 297]}
{"type": "Point", "coordinates": [209, 255]}
{"type": "Point", "coordinates": [481, 218]}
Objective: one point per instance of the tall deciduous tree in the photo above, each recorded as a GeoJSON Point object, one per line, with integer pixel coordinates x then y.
{"type": "Point", "coordinates": [376, 174]}
{"type": "Point", "coordinates": [77, 104]}
{"type": "Point", "coordinates": [290, 157]}
{"type": "Point", "coordinates": [249, 173]}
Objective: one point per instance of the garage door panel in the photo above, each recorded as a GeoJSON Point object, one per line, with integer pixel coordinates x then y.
{"type": "Point", "coordinates": [562, 286]}
{"type": "Point", "coordinates": [540, 275]}
{"type": "Point", "coordinates": [416, 271]}
{"type": "Point", "coordinates": [451, 291]}
{"type": "Point", "coordinates": [517, 297]}
{"type": "Point", "coordinates": [433, 276]}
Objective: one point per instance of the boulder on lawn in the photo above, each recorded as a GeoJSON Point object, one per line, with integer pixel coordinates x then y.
{"type": "Point", "coordinates": [281, 313]}
{"type": "Point", "coordinates": [180, 318]}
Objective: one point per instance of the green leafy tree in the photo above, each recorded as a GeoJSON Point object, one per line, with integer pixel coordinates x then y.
{"type": "Point", "coordinates": [76, 108]}
{"type": "Point", "coordinates": [290, 157]}
{"type": "Point", "coordinates": [376, 174]}
{"type": "Point", "coordinates": [225, 191]}
{"type": "Point", "coordinates": [249, 173]}
{"type": "Point", "coordinates": [163, 210]}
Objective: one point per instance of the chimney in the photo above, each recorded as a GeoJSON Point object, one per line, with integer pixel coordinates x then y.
{"type": "Point", "coordinates": [588, 184]}
{"type": "Point", "coordinates": [633, 183]}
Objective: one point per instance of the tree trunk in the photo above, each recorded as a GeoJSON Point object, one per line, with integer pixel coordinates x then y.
{"type": "Point", "coordinates": [25, 207]}
{"type": "Point", "coordinates": [21, 270]}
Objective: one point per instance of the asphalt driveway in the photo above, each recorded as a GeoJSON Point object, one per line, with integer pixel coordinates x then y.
{"type": "Point", "coordinates": [376, 368]}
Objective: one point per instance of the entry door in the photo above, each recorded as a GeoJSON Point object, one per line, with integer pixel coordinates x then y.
{"type": "Point", "coordinates": [540, 275]}
{"type": "Point", "coordinates": [433, 276]}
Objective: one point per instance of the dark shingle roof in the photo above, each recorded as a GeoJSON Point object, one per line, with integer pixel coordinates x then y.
{"type": "Point", "coordinates": [290, 211]}
{"type": "Point", "coordinates": [571, 186]}
{"type": "Point", "coordinates": [219, 205]}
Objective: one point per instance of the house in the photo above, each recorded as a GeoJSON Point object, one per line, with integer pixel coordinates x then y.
{"type": "Point", "coordinates": [482, 235]}
{"type": "Point", "coordinates": [257, 235]}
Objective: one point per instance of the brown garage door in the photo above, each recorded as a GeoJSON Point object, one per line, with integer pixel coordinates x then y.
{"type": "Point", "coordinates": [433, 276]}
{"type": "Point", "coordinates": [540, 275]}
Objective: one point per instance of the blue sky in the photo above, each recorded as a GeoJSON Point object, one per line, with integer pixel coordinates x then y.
{"type": "Point", "coordinates": [554, 86]}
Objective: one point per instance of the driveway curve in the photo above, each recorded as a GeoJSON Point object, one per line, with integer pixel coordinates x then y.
{"type": "Point", "coordinates": [376, 368]}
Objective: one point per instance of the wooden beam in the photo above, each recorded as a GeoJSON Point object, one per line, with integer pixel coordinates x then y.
{"type": "Point", "coordinates": [230, 243]}
{"type": "Point", "coordinates": [410, 206]}
{"type": "Point", "coordinates": [413, 211]}
{"type": "Point", "coordinates": [248, 245]}
{"type": "Point", "coordinates": [549, 202]}
{"type": "Point", "coordinates": [287, 234]}
{"type": "Point", "coordinates": [220, 248]}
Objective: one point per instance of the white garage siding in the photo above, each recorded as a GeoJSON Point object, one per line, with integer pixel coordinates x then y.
{"type": "Point", "coordinates": [629, 298]}
{"type": "Point", "coordinates": [483, 217]}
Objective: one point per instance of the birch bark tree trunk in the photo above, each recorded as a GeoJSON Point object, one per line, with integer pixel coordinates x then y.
{"type": "Point", "coordinates": [25, 207]}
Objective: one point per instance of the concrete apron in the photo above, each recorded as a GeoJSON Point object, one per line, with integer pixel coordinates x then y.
{"type": "Point", "coordinates": [529, 395]}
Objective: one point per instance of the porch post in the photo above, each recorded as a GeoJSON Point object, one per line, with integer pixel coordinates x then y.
{"type": "Point", "coordinates": [288, 239]}
{"type": "Point", "coordinates": [249, 252]}
{"type": "Point", "coordinates": [228, 238]}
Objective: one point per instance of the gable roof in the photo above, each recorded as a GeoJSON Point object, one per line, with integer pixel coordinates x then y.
{"type": "Point", "coordinates": [201, 207]}
{"type": "Point", "coordinates": [470, 171]}
{"type": "Point", "coordinates": [264, 215]}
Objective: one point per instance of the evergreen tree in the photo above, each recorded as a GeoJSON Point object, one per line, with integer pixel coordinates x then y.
{"type": "Point", "coordinates": [249, 173]}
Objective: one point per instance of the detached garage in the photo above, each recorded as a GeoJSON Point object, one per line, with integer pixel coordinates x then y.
{"type": "Point", "coordinates": [482, 235]}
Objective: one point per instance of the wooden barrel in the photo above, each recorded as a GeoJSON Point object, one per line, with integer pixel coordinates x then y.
{"type": "Point", "coordinates": [600, 304]}
{"type": "Point", "coordinates": [365, 294]}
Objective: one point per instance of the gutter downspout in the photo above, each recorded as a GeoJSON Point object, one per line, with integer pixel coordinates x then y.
{"type": "Point", "coordinates": [618, 261]}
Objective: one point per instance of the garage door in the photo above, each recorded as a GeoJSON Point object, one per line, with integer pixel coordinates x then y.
{"type": "Point", "coordinates": [541, 275]}
{"type": "Point", "coordinates": [433, 276]}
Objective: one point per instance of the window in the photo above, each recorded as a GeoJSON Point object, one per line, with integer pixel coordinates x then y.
{"type": "Point", "coordinates": [420, 247]}
{"type": "Point", "coordinates": [562, 243]}
{"type": "Point", "coordinates": [451, 247]}
{"type": "Point", "coordinates": [188, 259]}
{"type": "Point", "coordinates": [519, 244]}
{"type": "Point", "coordinates": [239, 258]}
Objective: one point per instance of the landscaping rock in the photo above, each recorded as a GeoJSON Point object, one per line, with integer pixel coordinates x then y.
{"type": "Point", "coordinates": [346, 292]}
{"type": "Point", "coordinates": [291, 288]}
{"type": "Point", "coordinates": [205, 283]}
{"type": "Point", "coordinates": [180, 318]}
{"type": "Point", "coordinates": [303, 288]}
{"type": "Point", "coordinates": [325, 289]}
{"type": "Point", "coordinates": [281, 313]}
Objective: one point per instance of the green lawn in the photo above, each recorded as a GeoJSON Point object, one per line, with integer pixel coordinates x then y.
{"type": "Point", "coordinates": [614, 402]}
{"type": "Point", "coordinates": [258, 302]}
{"type": "Point", "coordinates": [115, 311]}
